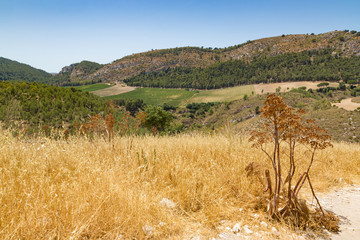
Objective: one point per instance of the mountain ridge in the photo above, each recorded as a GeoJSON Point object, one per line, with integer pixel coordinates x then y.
{"type": "Point", "coordinates": [344, 44]}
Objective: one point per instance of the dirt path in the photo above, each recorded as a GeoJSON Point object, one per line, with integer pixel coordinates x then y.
{"type": "Point", "coordinates": [345, 203]}
{"type": "Point", "coordinates": [347, 104]}
{"type": "Point", "coordinates": [114, 90]}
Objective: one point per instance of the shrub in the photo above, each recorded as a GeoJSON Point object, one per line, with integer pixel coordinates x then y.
{"type": "Point", "coordinates": [157, 119]}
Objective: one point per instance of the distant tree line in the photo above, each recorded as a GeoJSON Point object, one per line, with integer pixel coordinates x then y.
{"type": "Point", "coordinates": [321, 65]}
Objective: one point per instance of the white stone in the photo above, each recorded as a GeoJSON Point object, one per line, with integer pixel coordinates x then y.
{"type": "Point", "coordinates": [247, 230]}
{"type": "Point", "coordinates": [148, 230]}
{"type": "Point", "coordinates": [165, 202]}
{"type": "Point", "coordinates": [263, 224]}
{"type": "Point", "coordinates": [195, 238]}
{"type": "Point", "coordinates": [120, 237]}
{"type": "Point", "coordinates": [258, 235]}
{"type": "Point", "coordinates": [236, 228]}
{"type": "Point", "coordinates": [161, 224]}
{"type": "Point", "coordinates": [275, 231]}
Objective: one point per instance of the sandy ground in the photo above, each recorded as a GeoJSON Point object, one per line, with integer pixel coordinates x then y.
{"type": "Point", "coordinates": [347, 104]}
{"type": "Point", "coordinates": [286, 86]}
{"type": "Point", "coordinates": [345, 203]}
{"type": "Point", "coordinates": [114, 90]}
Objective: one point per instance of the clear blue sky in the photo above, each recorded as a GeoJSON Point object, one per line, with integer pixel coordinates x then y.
{"type": "Point", "coordinates": [50, 34]}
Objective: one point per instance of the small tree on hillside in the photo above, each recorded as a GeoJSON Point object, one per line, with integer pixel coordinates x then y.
{"type": "Point", "coordinates": [284, 129]}
{"type": "Point", "coordinates": [157, 119]}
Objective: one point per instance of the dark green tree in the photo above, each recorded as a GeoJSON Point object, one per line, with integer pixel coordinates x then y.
{"type": "Point", "coordinates": [157, 119]}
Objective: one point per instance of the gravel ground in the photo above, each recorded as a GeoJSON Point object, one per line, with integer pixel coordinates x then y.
{"type": "Point", "coordinates": [345, 203]}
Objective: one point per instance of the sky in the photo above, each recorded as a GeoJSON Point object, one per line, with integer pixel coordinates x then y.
{"type": "Point", "coordinates": [51, 34]}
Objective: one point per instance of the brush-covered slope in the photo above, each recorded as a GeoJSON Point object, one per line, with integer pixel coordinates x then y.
{"type": "Point", "coordinates": [34, 105]}
{"type": "Point", "coordinates": [14, 71]}
{"type": "Point", "coordinates": [240, 115]}
{"type": "Point", "coordinates": [342, 43]}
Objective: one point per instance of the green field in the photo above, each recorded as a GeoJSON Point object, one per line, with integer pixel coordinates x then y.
{"type": "Point", "coordinates": [157, 96]}
{"type": "Point", "coordinates": [93, 87]}
{"type": "Point", "coordinates": [181, 97]}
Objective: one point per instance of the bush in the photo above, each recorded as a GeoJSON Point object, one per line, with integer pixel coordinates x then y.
{"type": "Point", "coordinates": [157, 119]}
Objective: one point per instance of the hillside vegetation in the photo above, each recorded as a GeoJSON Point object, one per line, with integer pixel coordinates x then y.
{"type": "Point", "coordinates": [240, 115]}
{"type": "Point", "coordinates": [33, 105]}
{"type": "Point", "coordinates": [15, 71]}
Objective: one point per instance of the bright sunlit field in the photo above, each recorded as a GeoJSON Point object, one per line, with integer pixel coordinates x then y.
{"type": "Point", "coordinates": [89, 189]}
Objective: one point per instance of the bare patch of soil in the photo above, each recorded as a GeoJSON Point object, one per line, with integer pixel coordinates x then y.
{"type": "Point", "coordinates": [347, 104]}
{"type": "Point", "coordinates": [345, 203]}
{"type": "Point", "coordinates": [114, 90]}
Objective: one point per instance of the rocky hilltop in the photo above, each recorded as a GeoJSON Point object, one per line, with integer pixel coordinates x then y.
{"type": "Point", "coordinates": [344, 43]}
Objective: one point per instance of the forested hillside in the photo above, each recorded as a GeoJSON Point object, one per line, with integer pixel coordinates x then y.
{"type": "Point", "coordinates": [324, 65]}
{"type": "Point", "coordinates": [15, 71]}
{"type": "Point", "coordinates": [34, 105]}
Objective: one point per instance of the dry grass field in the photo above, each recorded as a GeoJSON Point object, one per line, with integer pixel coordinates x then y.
{"type": "Point", "coordinates": [113, 90]}
{"type": "Point", "coordinates": [220, 95]}
{"type": "Point", "coordinates": [287, 86]}
{"type": "Point", "coordinates": [90, 189]}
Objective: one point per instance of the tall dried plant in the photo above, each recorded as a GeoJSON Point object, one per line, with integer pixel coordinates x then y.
{"type": "Point", "coordinates": [285, 129]}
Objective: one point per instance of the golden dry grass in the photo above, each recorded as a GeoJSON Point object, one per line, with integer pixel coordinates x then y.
{"type": "Point", "coordinates": [82, 189]}
{"type": "Point", "coordinates": [287, 86]}
{"type": "Point", "coordinates": [224, 94]}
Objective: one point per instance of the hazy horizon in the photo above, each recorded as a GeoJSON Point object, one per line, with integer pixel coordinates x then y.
{"type": "Point", "coordinates": [52, 34]}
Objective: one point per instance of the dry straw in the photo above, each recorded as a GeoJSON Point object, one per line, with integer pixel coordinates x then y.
{"type": "Point", "coordinates": [80, 189]}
